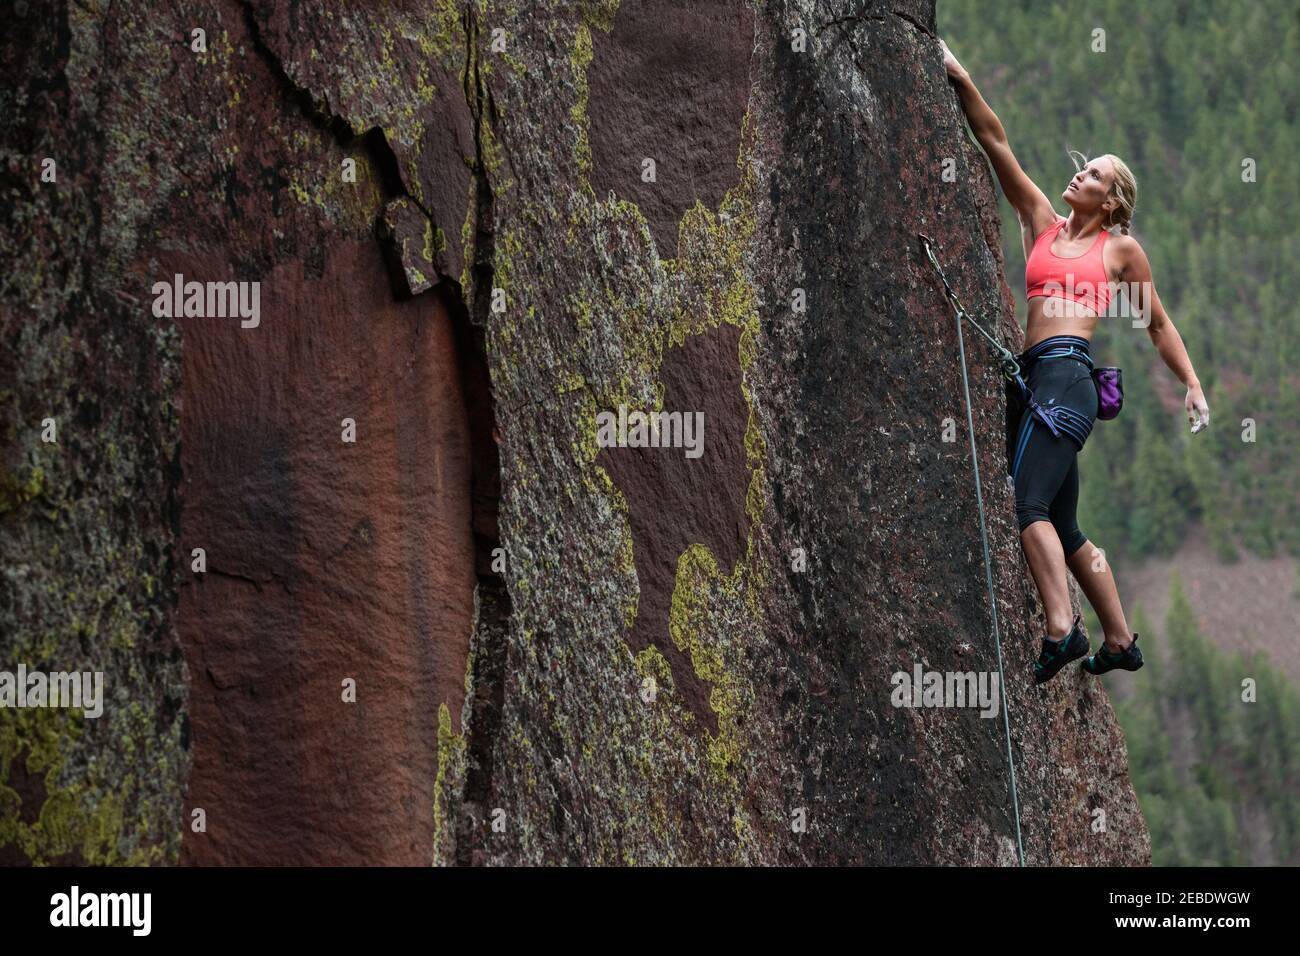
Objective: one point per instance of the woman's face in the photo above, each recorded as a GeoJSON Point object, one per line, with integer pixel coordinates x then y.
{"type": "Point", "coordinates": [1089, 190]}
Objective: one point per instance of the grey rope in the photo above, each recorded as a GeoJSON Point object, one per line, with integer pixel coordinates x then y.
{"type": "Point", "coordinates": [1008, 370]}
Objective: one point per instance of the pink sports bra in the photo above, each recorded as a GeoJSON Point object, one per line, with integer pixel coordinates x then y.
{"type": "Point", "coordinates": [1081, 278]}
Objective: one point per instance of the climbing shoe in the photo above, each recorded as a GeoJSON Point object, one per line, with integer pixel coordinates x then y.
{"type": "Point", "coordinates": [1130, 659]}
{"type": "Point", "coordinates": [1056, 654]}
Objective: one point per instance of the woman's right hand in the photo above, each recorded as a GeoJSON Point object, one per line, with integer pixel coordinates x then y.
{"type": "Point", "coordinates": [955, 69]}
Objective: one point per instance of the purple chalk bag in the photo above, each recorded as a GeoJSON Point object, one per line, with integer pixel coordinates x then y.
{"type": "Point", "coordinates": [1110, 391]}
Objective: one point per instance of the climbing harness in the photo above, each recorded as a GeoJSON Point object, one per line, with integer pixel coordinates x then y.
{"type": "Point", "coordinates": [1011, 370]}
{"type": "Point", "coordinates": [1071, 422]}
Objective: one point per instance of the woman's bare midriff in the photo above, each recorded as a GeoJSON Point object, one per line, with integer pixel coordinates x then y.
{"type": "Point", "coordinates": [1067, 318]}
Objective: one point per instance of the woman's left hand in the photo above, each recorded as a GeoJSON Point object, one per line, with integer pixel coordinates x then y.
{"type": "Point", "coordinates": [1198, 413]}
{"type": "Point", "coordinates": [955, 69]}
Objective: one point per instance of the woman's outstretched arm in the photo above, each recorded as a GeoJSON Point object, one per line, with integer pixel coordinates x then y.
{"type": "Point", "coordinates": [1135, 276]}
{"type": "Point", "coordinates": [1033, 208]}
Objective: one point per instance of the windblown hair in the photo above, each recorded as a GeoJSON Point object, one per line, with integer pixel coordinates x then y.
{"type": "Point", "coordinates": [1124, 188]}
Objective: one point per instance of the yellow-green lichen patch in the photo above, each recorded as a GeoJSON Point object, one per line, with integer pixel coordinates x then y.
{"type": "Point", "coordinates": [600, 14]}
{"type": "Point", "coordinates": [508, 249]}
{"type": "Point", "coordinates": [468, 289]}
{"type": "Point", "coordinates": [428, 241]}
{"type": "Point", "coordinates": [652, 663]}
{"type": "Point", "coordinates": [448, 35]}
{"type": "Point", "coordinates": [579, 60]}
{"type": "Point", "coordinates": [493, 159]}
{"type": "Point", "coordinates": [315, 178]}
{"type": "Point", "coordinates": [451, 755]}
{"type": "Point", "coordinates": [16, 490]}
{"type": "Point", "coordinates": [68, 824]}
{"type": "Point", "coordinates": [696, 594]}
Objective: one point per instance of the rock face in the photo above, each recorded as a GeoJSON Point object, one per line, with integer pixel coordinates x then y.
{"type": "Point", "coordinates": [437, 621]}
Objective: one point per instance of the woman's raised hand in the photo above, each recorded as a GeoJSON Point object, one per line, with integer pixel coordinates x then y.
{"type": "Point", "coordinates": [955, 69]}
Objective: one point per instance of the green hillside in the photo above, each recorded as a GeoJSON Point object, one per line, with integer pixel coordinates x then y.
{"type": "Point", "coordinates": [1216, 773]}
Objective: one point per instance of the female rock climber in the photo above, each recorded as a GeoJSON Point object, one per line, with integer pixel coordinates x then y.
{"type": "Point", "coordinates": [1071, 265]}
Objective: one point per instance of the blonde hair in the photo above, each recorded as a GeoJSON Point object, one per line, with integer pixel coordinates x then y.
{"type": "Point", "coordinates": [1124, 188]}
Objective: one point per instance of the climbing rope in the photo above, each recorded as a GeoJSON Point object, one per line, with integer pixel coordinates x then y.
{"type": "Point", "coordinates": [1011, 370]}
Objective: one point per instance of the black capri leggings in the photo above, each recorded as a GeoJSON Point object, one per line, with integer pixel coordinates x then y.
{"type": "Point", "coordinates": [1043, 466]}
